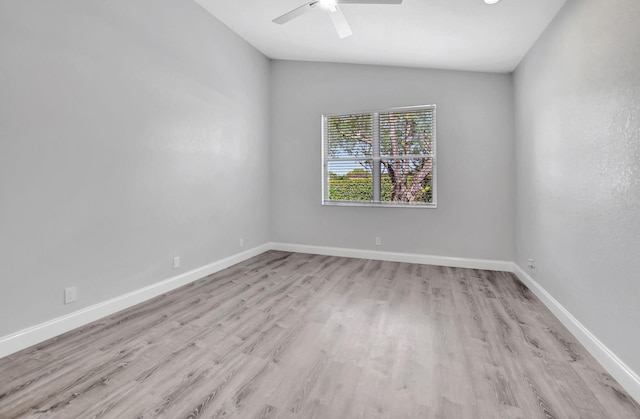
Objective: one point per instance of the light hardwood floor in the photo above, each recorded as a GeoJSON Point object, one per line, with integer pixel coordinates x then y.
{"type": "Point", "coordinates": [287, 335]}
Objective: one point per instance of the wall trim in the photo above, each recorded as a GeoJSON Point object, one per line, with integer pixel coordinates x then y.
{"type": "Point", "coordinates": [39, 333]}
{"type": "Point", "coordinates": [625, 376]}
{"type": "Point", "coordinates": [454, 262]}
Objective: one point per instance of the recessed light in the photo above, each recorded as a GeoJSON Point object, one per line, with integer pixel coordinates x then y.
{"type": "Point", "coordinates": [491, 1]}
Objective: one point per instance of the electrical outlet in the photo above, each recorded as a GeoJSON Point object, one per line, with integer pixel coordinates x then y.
{"type": "Point", "coordinates": [531, 264]}
{"type": "Point", "coordinates": [378, 241]}
{"type": "Point", "coordinates": [70, 295]}
{"type": "Point", "coordinates": [241, 241]}
{"type": "Point", "coordinates": [176, 262]}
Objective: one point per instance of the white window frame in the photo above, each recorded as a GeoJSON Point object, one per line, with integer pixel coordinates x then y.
{"type": "Point", "coordinates": [376, 162]}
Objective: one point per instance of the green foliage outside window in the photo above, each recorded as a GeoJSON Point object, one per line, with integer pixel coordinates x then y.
{"type": "Point", "coordinates": [342, 188]}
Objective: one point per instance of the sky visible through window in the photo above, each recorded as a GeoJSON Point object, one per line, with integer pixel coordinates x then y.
{"type": "Point", "coordinates": [344, 168]}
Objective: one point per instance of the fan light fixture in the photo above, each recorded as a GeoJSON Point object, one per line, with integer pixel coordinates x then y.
{"type": "Point", "coordinates": [334, 12]}
{"type": "Point", "coordinates": [328, 4]}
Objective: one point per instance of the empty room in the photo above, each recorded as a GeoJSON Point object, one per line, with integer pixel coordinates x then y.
{"type": "Point", "coordinates": [333, 209]}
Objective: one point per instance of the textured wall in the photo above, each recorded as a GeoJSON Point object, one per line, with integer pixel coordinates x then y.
{"type": "Point", "coordinates": [578, 167]}
{"type": "Point", "coordinates": [475, 214]}
{"type": "Point", "coordinates": [130, 132]}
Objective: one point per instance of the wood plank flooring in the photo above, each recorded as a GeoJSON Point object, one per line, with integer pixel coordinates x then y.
{"type": "Point", "coordinates": [287, 335]}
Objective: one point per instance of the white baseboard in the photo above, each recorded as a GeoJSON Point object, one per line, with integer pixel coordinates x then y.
{"type": "Point", "coordinates": [614, 365]}
{"type": "Point", "coordinates": [47, 330]}
{"type": "Point", "coordinates": [454, 262]}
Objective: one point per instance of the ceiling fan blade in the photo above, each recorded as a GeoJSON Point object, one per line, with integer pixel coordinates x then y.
{"type": "Point", "coordinates": [369, 1]}
{"type": "Point", "coordinates": [295, 12]}
{"type": "Point", "coordinates": [340, 23]}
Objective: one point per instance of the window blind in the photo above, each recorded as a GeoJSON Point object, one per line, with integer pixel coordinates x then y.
{"type": "Point", "coordinates": [380, 158]}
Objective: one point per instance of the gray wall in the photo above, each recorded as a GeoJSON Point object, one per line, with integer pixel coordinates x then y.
{"type": "Point", "coordinates": [578, 167]}
{"type": "Point", "coordinates": [475, 214]}
{"type": "Point", "coordinates": [130, 132]}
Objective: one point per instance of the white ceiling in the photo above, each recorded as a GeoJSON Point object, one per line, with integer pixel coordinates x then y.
{"type": "Point", "coordinates": [450, 34]}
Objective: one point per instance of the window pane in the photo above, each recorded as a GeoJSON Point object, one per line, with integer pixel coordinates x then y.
{"type": "Point", "coordinates": [406, 180]}
{"type": "Point", "coordinates": [350, 135]}
{"type": "Point", "coordinates": [350, 180]}
{"type": "Point", "coordinates": [406, 132]}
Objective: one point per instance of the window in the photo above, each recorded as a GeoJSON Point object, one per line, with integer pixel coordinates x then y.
{"type": "Point", "coordinates": [385, 158]}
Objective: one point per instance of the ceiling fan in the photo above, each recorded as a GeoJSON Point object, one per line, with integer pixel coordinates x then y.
{"type": "Point", "coordinates": [335, 13]}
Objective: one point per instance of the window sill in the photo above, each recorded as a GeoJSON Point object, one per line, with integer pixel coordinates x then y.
{"type": "Point", "coordinates": [376, 204]}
